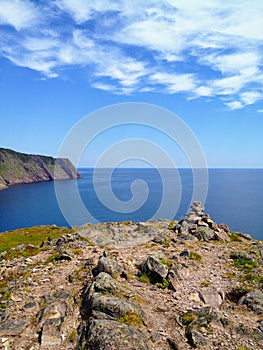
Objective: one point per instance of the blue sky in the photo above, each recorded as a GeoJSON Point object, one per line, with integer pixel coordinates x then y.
{"type": "Point", "coordinates": [202, 60]}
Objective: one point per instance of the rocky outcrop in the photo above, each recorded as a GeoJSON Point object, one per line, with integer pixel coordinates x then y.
{"type": "Point", "coordinates": [17, 168]}
{"type": "Point", "coordinates": [156, 290]}
{"type": "Point", "coordinates": [198, 225]}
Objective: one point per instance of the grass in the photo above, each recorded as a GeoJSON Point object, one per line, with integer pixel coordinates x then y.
{"type": "Point", "coordinates": [166, 261]}
{"type": "Point", "coordinates": [243, 262]}
{"type": "Point", "coordinates": [206, 283]}
{"type": "Point", "coordinates": [188, 317]}
{"type": "Point", "coordinates": [163, 285]}
{"type": "Point", "coordinates": [145, 278]}
{"type": "Point", "coordinates": [195, 256]}
{"type": "Point", "coordinates": [73, 336]}
{"type": "Point", "coordinates": [234, 237]}
{"type": "Point", "coordinates": [131, 319]}
{"type": "Point", "coordinates": [34, 236]}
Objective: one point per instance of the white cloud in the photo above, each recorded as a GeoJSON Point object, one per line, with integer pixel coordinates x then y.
{"type": "Point", "coordinates": [175, 83]}
{"type": "Point", "coordinates": [260, 110]}
{"type": "Point", "coordinates": [18, 13]}
{"type": "Point", "coordinates": [234, 105]}
{"type": "Point", "coordinates": [204, 91]}
{"type": "Point", "coordinates": [82, 10]}
{"type": "Point", "coordinates": [232, 63]}
{"type": "Point", "coordinates": [209, 48]}
{"type": "Point", "coordinates": [250, 97]}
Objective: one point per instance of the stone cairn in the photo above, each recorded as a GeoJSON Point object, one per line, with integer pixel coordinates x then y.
{"type": "Point", "coordinates": [197, 224]}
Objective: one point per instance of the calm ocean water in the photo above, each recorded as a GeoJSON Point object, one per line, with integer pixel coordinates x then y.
{"type": "Point", "coordinates": [235, 196]}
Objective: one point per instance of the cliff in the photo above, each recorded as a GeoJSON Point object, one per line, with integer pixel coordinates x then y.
{"type": "Point", "coordinates": [146, 286]}
{"type": "Point", "coordinates": [16, 168]}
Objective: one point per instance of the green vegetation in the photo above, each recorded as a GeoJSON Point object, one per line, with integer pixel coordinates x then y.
{"type": "Point", "coordinates": [243, 262]}
{"type": "Point", "coordinates": [73, 336]}
{"type": "Point", "coordinates": [195, 256]}
{"type": "Point", "coordinates": [11, 240]}
{"type": "Point", "coordinates": [234, 237]}
{"type": "Point", "coordinates": [27, 251]}
{"type": "Point", "coordinates": [252, 278]}
{"type": "Point", "coordinates": [163, 285]}
{"type": "Point", "coordinates": [205, 283]}
{"type": "Point", "coordinates": [51, 259]}
{"type": "Point", "coordinates": [172, 225]}
{"type": "Point", "coordinates": [145, 278]}
{"type": "Point", "coordinates": [131, 319]}
{"type": "Point", "coordinates": [188, 317]}
{"type": "Point", "coordinates": [167, 262]}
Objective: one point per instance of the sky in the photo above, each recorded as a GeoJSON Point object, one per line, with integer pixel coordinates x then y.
{"type": "Point", "coordinates": [62, 60]}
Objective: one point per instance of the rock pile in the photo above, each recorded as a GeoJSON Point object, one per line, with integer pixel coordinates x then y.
{"type": "Point", "coordinates": [197, 224]}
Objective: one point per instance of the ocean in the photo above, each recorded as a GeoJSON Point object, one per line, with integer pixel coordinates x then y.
{"type": "Point", "coordinates": [234, 197]}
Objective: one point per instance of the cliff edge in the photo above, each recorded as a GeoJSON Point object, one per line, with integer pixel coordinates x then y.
{"type": "Point", "coordinates": [17, 168]}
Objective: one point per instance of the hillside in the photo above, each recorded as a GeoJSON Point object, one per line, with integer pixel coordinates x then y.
{"type": "Point", "coordinates": [123, 286]}
{"type": "Point", "coordinates": [16, 168]}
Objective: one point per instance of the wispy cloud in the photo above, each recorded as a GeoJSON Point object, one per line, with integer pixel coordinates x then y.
{"type": "Point", "coordinates": [199, 48]}
{"type": "Point", "coordinates": [20, 14]}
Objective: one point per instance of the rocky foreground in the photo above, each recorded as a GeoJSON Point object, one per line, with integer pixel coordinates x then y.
{"type": "Point", "coordinates": [152, 285]}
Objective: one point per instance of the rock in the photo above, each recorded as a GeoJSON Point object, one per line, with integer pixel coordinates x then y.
{"type": "Point", "coordinates": [104, 283]}
{"type": "Point", "coordinates": [114, 306]}
{"type": "Point", "coordinates": [63, 256]}
{"type": "Point", "coordinates": [185, 252]}
{"type": "Point", "coordinates": [56, 311]}
{"type": "Point", "coordinates": [245, 235]}
{"type": "Point", "coordinates": [12, 328]}
{"type": "Point", "coordinates": [49, 321]}
{"type": "Point", "coordinates": [205, 233]}
{"type": "Point", "coordinates": [195, 297]}
{"type": "Point", "coordinates": [195, 338]}
{"type": "Point", "coordinates": [173, 344]}
{"type": "Point", "coordinates": [112, 335]}
{"type": "Point", "coordinates": [202, 223]}
{"type": "Point", "coordinates": [154, 268]}
{"type": "Point", "coordinates": [212, 298]}
{"type": "Point", "coordinates": [224, 227]}
{"type": "Point", "coordinates": [50, 337]}
{"type": "Point", "coordinates": [197, 224]}
{"type": "Point", "coordinates": [260, 249]}
{"type": "Point", "coordinates": [221, 236]}
{"type": "Point", "coordinates": [109, 266]}
{"type": "Point", "coordinates": [172, 279]}
{"type": "Point", "coordinates": [254, 300]}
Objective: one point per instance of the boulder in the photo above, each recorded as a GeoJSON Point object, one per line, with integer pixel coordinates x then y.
{"type": "Point", "coordinates": [224, 227]}
{"type": "Point", "coordinates": [221, 235]}
{"type": "Point", "coordinates": [49, 321]}
{"type": "Point", "coordinates": [104, 283]}
{"type": "Point", "coordinates": [114, 306]}
{"type": "Point", "coordinates": [12, 328]}
{"type": "Point", "coordinates": [109, 266]}
{"type": "Point", "coordinates": [105, 334]}
{"type": "Point", "coordinates": [195, 338]}
{"type": "Point", "coordinates": [154, 268]}
{"type": "Point", "coordinates": [205, 233]}
{"type": "Point", "coordinates": [254, 300]}
{"type": "Point", "coordinates": [212, 298]}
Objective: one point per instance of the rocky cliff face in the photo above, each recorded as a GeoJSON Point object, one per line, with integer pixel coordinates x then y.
{"type": "Point", "coordinates": [16, 168]}
{"type": "Point", "coordinates": [125, 286]}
